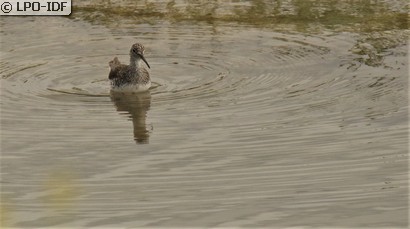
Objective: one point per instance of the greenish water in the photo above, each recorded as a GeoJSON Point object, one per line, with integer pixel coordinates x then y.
{"type": "Point", "coordinates": [270, 114]}
{"type": "Point", "coordinates": [300, 15]}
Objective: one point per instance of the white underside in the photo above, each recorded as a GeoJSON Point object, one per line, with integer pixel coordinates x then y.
{"type": "Point", "coordinates": [132, 88]}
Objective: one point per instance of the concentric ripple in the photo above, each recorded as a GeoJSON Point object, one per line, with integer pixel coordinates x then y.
{"type": "Point", "coordinates": [245, 127]}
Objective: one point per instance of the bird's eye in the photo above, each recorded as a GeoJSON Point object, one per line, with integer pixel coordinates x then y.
{"type": "Point", "coordinates": [134, 50]}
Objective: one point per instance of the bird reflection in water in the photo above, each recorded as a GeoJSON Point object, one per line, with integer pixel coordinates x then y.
{"type": "Point", "coordinates": [136, 105]}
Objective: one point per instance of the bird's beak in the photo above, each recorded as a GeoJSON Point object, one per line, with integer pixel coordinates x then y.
{"type": "Point", "coordinates": [143, 58]}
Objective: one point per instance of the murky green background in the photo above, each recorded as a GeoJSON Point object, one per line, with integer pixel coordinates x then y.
{"type": "Point", "coordinates": [264, 114]}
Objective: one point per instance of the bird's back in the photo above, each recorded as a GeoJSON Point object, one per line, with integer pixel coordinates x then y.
{"type": "Point", "coordinates": [128, 78]}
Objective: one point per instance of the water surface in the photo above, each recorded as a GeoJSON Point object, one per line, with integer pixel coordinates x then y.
{"type": "Point", "coordinates": [248, 126]}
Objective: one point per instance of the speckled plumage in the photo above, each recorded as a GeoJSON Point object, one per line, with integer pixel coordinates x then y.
{"type": "Point", "coordinates": [132, 77]}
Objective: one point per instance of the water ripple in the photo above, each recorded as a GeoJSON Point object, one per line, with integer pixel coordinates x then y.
{"type": "Point", "coordinates": [239, 117]}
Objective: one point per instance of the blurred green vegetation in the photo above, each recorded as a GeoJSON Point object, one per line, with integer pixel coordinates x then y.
{"type": "Point", "coordinates": [347, 15]}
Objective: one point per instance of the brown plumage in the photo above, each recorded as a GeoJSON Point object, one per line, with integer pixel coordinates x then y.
{"type": "Point", "coordinates": [132, 77]}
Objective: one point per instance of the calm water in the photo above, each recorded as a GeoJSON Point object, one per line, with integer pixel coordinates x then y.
{"type": "Point", "coordinates": [248, 126]}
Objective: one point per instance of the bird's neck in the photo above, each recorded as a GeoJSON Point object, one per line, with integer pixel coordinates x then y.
{"type": "Point", "coordinates": [135, 62]}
